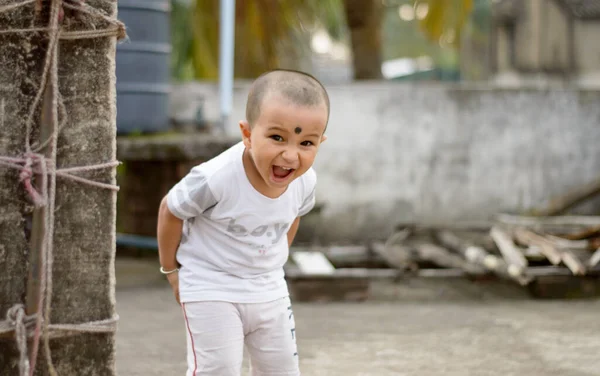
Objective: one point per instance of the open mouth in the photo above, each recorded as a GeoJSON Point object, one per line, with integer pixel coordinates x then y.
{"type": "Point", "coordinates": [280, 174]}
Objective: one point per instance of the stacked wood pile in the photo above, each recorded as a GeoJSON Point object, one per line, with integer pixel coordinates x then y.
{"type": "Point", "coordinates": [544, 251]}
{"type": "Point", "coordinates": [513, 247]}
{"type": "Point", "coordinates": [516, 248]}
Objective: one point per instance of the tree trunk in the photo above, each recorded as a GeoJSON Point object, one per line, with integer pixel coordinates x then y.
{"type": "Point", "coordinates": [364, 21]}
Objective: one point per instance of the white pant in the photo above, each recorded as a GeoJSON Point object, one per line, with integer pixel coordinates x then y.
{"type": "Point", "coordinates": [217, 331]}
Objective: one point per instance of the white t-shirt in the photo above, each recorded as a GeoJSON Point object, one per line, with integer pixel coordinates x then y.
{"type": "Point", "coordinates": [234, 240]}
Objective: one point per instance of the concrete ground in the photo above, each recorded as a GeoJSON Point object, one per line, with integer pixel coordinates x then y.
{"type": "Point", "coordinates": [417, 328]}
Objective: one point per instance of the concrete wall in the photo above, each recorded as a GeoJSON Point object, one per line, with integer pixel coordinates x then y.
{"type": "Point", "coordinates": [554, 38]}
{"type": "Point", "coordinates": [542, 44]}
{"type": "Point", "coordinates": [399, 152]}
{"type": "Point", "coordinates": [503, 54]}
{"type": "Point", "coordinates": [541, 39]}
{"type": "Point", "coordinates": [527, 36]}
{"type": "Point", "coordinates": [587, 47]}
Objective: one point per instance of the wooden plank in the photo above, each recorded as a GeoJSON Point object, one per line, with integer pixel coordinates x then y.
{"type": "Point", "coordinates": [545, 246]}
{"type": "Point", "coordinates": [312, 263]}
{"type": "Point", "coordinates": [584, 234]}
{"type": "Point", "coordinates": [40, 225]}
{"type": "Point", "coordinates": [594, 260]}
{"type": "Point", "coordinates": [444, 258]}
{"type": "Point", "coordinates": [567, 243]}
{"type": "Point", "coordinates": [38, 233]}
{"type": "Point", "coordinates": [576, 196]}
{"type": "Point", "coordinates": [396, 255]}
{"type": "Point", "coordinates": [360, 273]}
{"type": "Point", "coordinates": [479, 225]}
{"type": "Point", "coordinates": [353, 251]}
{"type": "Point", "coordinates": [360, 255]}
{"type": "Point", "coordinates": [471, 252]}
{"type": "Point", "coordinates": [367, 273]}
{"type": "Point", "coordinates": [533, 253]}
{"type": "Point", "coordinates": [404, 251]}
{"type": "Point", "coordinates": [342, 256]}
{"type": "Point", "coordinates": [480, 256]}
{"type": "Point", "coordinates": [573, 262]}
{"type": "Point", "coordinates": [514, 258]}
{"type": "Point", "coordinates": [559, 221]}
{"type": "Point", "coordinates": [548, 271]}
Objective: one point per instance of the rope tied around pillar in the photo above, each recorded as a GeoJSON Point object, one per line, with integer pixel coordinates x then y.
{"type": "Point", "coordinates": [32, 164]}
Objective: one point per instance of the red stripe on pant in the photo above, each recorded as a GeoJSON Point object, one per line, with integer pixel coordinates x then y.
{"type": "Point", "coordinates": [187, 323]}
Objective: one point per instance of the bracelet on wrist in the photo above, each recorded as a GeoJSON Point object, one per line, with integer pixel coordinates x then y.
{"type": "Point", "coordinates": [163, 271]}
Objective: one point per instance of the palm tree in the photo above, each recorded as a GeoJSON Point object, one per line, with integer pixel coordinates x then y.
{"type": "Point", "coordinates": [274, 33]}
{"type": "Point", "coordinates": [443, 22]}
{"type": "Point", "coordinates": [363, 18]}
{"type": "Point", "coordinates": [269, 34]}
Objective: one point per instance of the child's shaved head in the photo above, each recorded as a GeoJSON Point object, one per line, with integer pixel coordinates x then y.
{"type": "Point", "coordinates": [297, 87]}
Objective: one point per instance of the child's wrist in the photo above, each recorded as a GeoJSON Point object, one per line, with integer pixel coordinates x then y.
{"type": "Point", "coordinates": [168, 270]}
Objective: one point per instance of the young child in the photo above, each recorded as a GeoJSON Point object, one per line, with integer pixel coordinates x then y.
{"type": "Point", "coordinates": [225, 229]}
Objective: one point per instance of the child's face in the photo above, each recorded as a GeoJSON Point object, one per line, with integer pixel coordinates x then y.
{"type": "Point", "coordinates": [284, 141]}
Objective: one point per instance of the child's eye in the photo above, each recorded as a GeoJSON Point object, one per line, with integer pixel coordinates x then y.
{"type": "Point", "coordinates": [276, 137]}
{"type": "Point", "coordinates": [307, 143]}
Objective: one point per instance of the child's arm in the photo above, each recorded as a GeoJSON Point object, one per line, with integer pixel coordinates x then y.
{"type": "Point", "coordinates": [292, 231]}
{"type": "Point", "coordinates": [169, 235]}
{"type": "Point", "coordinates": [309, 187]}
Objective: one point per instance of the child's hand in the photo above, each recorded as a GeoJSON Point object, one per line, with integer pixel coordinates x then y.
{"type": "Point", "coordinates": [174, 282]}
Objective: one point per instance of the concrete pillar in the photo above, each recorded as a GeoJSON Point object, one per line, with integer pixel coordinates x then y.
{"type": "Point", "coordinates": [84, 226]}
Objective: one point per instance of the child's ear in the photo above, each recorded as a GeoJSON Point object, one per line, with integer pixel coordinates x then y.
{"type": "Point", "coordinates": [323, 138]}
{"type": "Point", "coordinates": [246, 131]}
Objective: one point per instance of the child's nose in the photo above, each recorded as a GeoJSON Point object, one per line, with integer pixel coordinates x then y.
{"type": "Point", "coordinates": [290, 155]}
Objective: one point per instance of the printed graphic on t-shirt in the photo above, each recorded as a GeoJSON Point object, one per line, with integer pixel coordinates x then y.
{"type": "Point", "coordinates": [273, 232]}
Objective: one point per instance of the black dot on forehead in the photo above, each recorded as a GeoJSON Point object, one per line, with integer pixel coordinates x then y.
{"type": "Point", "coordinates": [298, 130]}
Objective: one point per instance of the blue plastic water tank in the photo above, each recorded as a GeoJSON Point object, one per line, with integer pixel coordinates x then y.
{"type": "Point", "coordinates": [143, 67]}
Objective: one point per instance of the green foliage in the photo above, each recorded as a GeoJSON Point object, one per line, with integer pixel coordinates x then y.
{"type": "Point", "coordinates": [275, 33]}
{"type": "Point", "coordinates": [268, 34]}
{"type": "Point", "coordinates": [445, 20]}
{"type": "Point", "coordinates": [181, 40]}
{"type": "Point", "coordinates": [331, 17]}
{"type": "Point", "coordinates": [404, 38]}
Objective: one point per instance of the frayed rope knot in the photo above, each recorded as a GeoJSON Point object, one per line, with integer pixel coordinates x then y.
{"type": "Point", "coordinates": [26, 175]}
{"type": "Point", "coordinates": [22, 325]}
{"type": "Point", "coordinates": [15, 316]}
{"type": "Point", "coordinates": [31, 164]}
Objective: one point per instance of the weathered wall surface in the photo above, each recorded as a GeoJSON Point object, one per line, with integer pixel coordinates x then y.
{"type": "Point", "coordinates": [401, 152]}
{"type": "Point", "coordinates": [15, 99]}
{"type": "Point", "coordinates": [554, 37]}
{"type": "Point", "coordinates": [84, 236]}
{"type": "Point", "coordinates": [588, 53]}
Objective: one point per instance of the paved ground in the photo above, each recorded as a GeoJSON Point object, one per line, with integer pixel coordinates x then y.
{"type": "Point", "coordinates": [418, 329]}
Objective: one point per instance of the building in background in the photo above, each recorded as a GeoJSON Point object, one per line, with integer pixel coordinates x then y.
{"type": "Point", "coordinates": [542, 41]}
